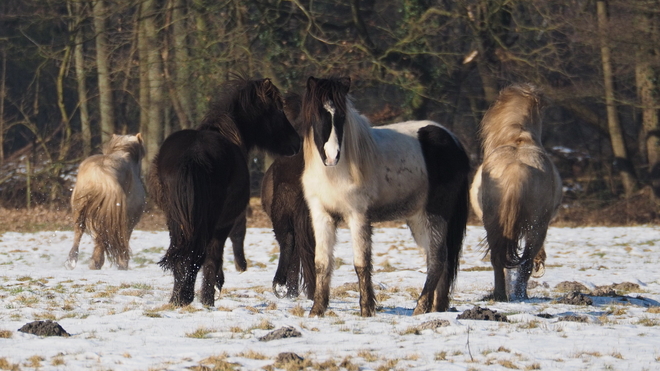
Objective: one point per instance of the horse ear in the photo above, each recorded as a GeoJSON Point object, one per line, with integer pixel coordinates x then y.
{"type": "Point", "coordinates": [311, 82]}
{"type": "Point", "coordinates": [346, 82]}
{"type": "Point", "coordinates": [267, 83]}
{"type": "Point", "coordinates": [139, 138]}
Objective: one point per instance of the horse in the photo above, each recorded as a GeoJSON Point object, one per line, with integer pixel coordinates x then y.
{"type": "Point", "coordinates": [200, 180]}
{"type": "Point", "coordinates": [416, 171]}
{"type": "Point", "coordinates": [108, 200]}
{"type": "Point", "coordinates": [283, 201]}
{"type": "Point", "coordinates": [516, 190]}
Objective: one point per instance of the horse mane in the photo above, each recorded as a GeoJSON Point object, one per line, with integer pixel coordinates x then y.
{"type": "Point", "coordinates": [124, 144]}
{"type": "Point", "coordinates": [359, 143]}
{"type": "Point", "coordinates": [238, 94]}
{"type": "Point", "coordinates": [514, 118]}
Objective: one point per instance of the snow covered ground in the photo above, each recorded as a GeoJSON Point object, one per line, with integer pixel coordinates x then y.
{"type": "Point", "coordinates": [120, 320]}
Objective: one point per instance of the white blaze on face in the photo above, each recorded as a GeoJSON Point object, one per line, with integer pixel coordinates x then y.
{"type": "Point", "coordinates": [331, 147]}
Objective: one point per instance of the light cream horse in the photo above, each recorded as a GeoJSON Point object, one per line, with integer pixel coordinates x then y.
{"type": "Point", "coordinates": [108, 201]}
{"type": "Point", "coordinates": [517, 189]}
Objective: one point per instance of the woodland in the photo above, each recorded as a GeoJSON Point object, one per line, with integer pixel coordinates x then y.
{"type": "Point", "coordinates": [73, 72]}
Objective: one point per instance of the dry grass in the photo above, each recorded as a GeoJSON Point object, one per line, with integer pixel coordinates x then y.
{"type": "Point", "coordinates": [200, 333]}
{"type": "Point", "coordinates": [297, 311]}
{"type": "Point", "coordinates": [6, 334]}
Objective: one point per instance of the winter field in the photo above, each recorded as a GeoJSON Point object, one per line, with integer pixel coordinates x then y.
{"type": "Point", "coordinates": [120, 320]}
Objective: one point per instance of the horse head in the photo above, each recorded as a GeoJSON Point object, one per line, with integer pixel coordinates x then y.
{"type": "Point", "coordinates": [324, 111]}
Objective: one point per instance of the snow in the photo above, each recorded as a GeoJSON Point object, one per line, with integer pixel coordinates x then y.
{"type": "Point", "coordinates": [119, 320]}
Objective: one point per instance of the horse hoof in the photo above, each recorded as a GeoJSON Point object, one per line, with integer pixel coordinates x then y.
{"type": "Point", "coordinates": [70, 264]}
{"type": "Point", "coordinates": [538, 271]}
{"type": "Point", "coordinates": [316, 312]}
{"type": "Point", "coordinates": [281, 291]}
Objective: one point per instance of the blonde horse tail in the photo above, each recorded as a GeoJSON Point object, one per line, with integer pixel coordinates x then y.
{"type": "Point", "coordinates": [104, 211]}
{"type": "Point", "coordinates": [503, 183]}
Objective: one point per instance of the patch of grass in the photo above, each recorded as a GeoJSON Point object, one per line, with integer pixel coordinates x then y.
{"type": "Point", "coordinates": [200, 333]}
{"type": "Point", "coordinates": [271, 306]}
{"type": "Point", "coordinates": [440, 356]}
{"type": "Point", "coordinates": [28, 301]}
{"type": "Point", "coordinates": [649, 322]}
{"type": "Point", "coordinates": [6, 334]}
{"type": "Point", "coordinates": [533, 366]}
{"type": "Point", "coordinates": [58, 361]}
{"type": "Point", "coordinates": [388, 365]}
{"type": "Point", "coordinates": [6, 365]}
{"type": "Point", "coordinates": [654, 310]}
{"type": "Point", "coordinates": [216, 363]}
{"type": "Point", "coordinates": [617, 355]}
{"type": "Point", "coordinates": [45, 316]}
{"type": "Point", "coordinates": [297, 311]}
{"type": "Point", "coordinates": [412, 330]}
{"type": "Point", "coordinates": [251, 354]}
{"type": "Point", "coordinates": [508, 364]}
{"type": "Point", "coordinates": [34, 361]}
{"type": "Point", "coordinates": [477, 269]}
{"type": "Point", "coordinates": [189, 309]}
{"type": "Point", "coordinates": [367, 355]}
{"type": "Point", "coordinates": [413, 292]}
{"type": "Point", "coordinates": [386, 267]}
{"type": "Point", "coordinates": [264, 325]}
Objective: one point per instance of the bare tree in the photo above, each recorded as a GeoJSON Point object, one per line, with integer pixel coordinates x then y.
{"type": "Point", "coordinates": [155, 78]}
{"type": "Point", "coordinates": [621, 161]}
{"type": "Point", "coordinates": [106, 105]}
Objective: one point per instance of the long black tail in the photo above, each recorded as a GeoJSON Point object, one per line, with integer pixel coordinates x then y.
{"type": "Point", "coordinates": [448, 167]}
{"type": "Point", "coordinates": [187, 194]}
{"type": "Point", "coordinates": [305, 246]}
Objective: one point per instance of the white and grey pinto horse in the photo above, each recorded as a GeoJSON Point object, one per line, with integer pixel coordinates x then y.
{"type": "Point", "coordinates": [517, 189]}
{"type": "Point", "coordinates": [416, 171]}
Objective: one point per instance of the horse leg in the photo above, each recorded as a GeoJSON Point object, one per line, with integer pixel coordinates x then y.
{"type": "Point", "coordinates": [78, 230]}
{"type": "Point", "coordinates": [98, 256]}
{"type": "Point", "coordinates": [361, 240]}
{"type": "Point", "coordinates": [184, 272]}
{"type": "Point", "coordinates": [325, 235]}
{"type": "Point", "coordinates": [213, 276]}
{"type": "Point", "coordinates": [237, 237]}
{"type": "Point", "coordinates": [435, 263]}
{"type": "Point", "coordinates": [533, 245]}
{"type": "Point", "coordinates": [284, 234]}
{"type": "Point", "coordinates": [539, 264]}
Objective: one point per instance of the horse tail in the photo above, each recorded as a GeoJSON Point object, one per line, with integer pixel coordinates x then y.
{"type": "Point", "coordinates": [305, 245]}
{"type": "Point", "coordinates": [187, 215]}
{"type": "Point", "coordinates": [504, 181]}
{"type": "Point", "coordinates": [448, 167]}
{"type": "Point", "coordinates": [101, 203]}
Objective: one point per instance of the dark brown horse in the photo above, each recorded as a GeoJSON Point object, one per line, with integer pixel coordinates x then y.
{"type": "Point", "coordinates": [283, 200]}
{"type": "Point", "coordinates": [200, 179]}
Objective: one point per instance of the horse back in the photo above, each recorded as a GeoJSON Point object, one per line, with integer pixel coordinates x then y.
{"type": "Point", "coordinates": [216, 167]}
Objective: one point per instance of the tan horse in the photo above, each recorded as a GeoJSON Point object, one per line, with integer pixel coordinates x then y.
{"type": "Point", "coordinates": [517, 189]}
{"type": "Point", "coordinates": [108, 201]}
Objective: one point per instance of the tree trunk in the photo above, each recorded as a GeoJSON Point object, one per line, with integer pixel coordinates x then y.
{"type": "Point", "coordinates": [622, 163]}
{"type": "Point", "coordinates": [2, 105]}
{"type": "Point", "coordinates": [143, 96]}
{"type": "Point", "coordinates": [182, 77]}
{"type": "Point", "coordinates": [79, 59]}
{"type": "Point", "coordinates": [646, 77]}
{"type": "Point", "coordinates": [106, 105]}
{"type": "Point", "coordinates": [155, 80]}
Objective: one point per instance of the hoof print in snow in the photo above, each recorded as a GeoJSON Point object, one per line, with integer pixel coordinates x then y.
{"type": "Point", "coordinates": [288, 357]}
{"type": "Point", "coordinates": [575, 298]}
{"type": "Point", "coordinates": [484, 314]}
{"type": "Point", "coordinates": [44, 328]}
{"type": "Point", "coordinates": [281, 333]}
{"type": "Point", "coordinates": [432, 325]}
{"type": "Point", "coordinates": [574, 318]}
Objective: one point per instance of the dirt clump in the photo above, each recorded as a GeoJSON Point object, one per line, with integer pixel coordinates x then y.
{"type": "Point", "coordinates": [484, 314]}
{"type": "Point", "coordinates": [575, 298]}
{"type": "Point", "coordinates": [572, 286]}
{"type": "Point", "coordinates": [44, 328]}
{"type": "Point", "coordinates": [281, 333]}
{"type": "Point", "coordinates": [433, 324]}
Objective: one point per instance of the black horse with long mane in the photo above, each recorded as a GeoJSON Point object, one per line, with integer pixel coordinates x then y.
{"type": "Point", "coordinates": [200, 180]}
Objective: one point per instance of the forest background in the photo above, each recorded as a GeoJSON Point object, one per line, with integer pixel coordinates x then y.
{"type": "Point", "coordinates": [73, 72]}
